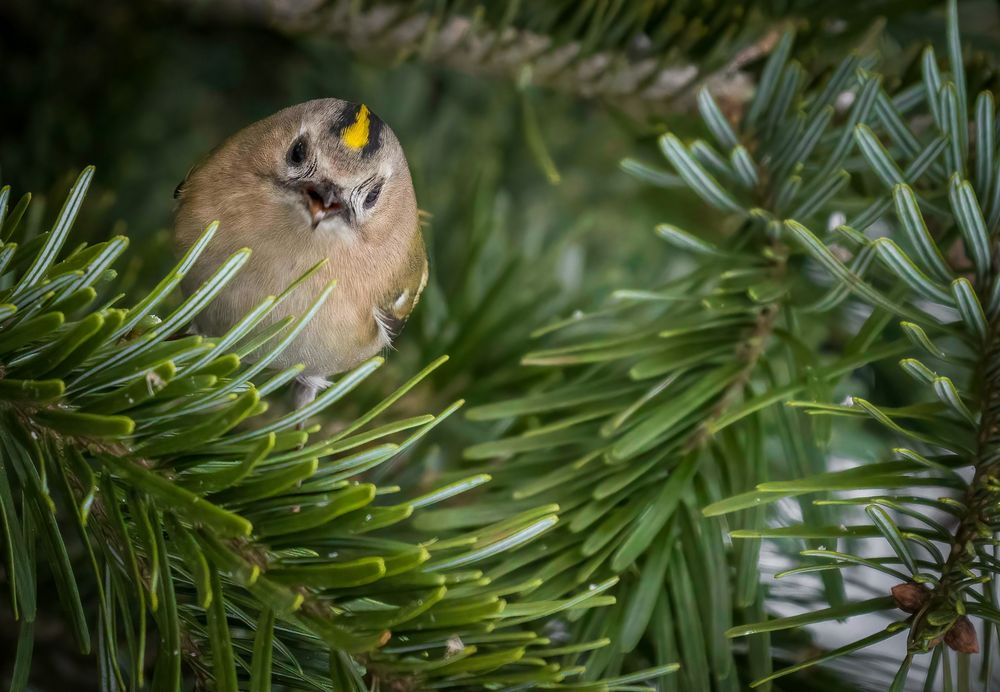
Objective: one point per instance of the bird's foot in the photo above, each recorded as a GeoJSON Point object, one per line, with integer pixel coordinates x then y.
{"type": "Point", "coordinates": [304, 392]}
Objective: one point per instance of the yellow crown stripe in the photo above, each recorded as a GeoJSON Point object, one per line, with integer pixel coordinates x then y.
{"type": "Point", "coordinates": [356, 135]}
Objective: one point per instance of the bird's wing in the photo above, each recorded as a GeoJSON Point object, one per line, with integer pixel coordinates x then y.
{"type": "Point", "coordinates": [391, 317]}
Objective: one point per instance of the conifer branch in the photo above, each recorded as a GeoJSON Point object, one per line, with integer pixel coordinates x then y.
{"type": "Point", "coordinates": [749, 352]}
{"type": "Point", "coordinates": [940, 614]}
{"type": "Point", "coordinates": [633, 78]}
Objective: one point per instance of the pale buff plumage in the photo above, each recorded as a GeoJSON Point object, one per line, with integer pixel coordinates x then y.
{"type": "Point", "coordinates": [294, 189]}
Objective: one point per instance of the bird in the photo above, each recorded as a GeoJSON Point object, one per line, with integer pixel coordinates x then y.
{"type": "Point", "coordinates": [322, 180]}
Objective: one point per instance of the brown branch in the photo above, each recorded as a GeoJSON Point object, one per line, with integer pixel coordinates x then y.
{"type": "Point", "coordinates": [980, 502]}
{"type": "Point", "coordinates": [749, 351]}
{"type": "Point", "coordinates": [639, 84]}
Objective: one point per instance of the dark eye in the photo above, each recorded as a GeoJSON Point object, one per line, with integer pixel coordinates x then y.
{"type": "Point", "coordinates": [372, 196]}
{"type": "Point", "coordinates": [297, 154]}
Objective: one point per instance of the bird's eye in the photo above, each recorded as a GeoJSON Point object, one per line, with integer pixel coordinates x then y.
{"type": "Point", "coordinates": [372, 196]}
{"type": "Point", "coordinates": [297, 154]}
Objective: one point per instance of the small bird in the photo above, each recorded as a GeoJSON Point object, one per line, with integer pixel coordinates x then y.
{"type": "Point", "coordinates": [326, 179]}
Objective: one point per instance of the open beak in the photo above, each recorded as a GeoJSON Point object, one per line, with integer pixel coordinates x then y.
{"type": "Point", "coordinates": [322, 200]}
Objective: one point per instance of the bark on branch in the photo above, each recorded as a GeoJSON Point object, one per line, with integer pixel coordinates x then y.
{"type": "Point", "coordinates": [638, 83]}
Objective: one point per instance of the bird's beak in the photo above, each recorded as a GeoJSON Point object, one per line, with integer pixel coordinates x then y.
{"type": "Point", "coordinates": [322, 199]}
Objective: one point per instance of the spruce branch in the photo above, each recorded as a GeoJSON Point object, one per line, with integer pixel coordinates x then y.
{"type": "Point", "coordinates": [749, 353]}
{"type": "Point", "coordinates": [199, 522]}
{"type": "Point", "coordinates": [940, 615]}
{"type": "Point", "coordinates": [941, 590]}
{"type": "Point", "coordinates": [633, 76]}
{"type": "Point", "coordinates": [645, 390]}
{"type": "Point", "coordinates": [636, 488]}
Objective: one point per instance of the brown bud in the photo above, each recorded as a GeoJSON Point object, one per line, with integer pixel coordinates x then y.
{"type": "Point", "coordinates": [962, 636]}
{"type": "Point", "coordinates": [910, 597]}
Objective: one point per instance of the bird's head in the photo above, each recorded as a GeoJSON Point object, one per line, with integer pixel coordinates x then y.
{"type": "Point", "coordinates": [324, 180]}
{"type": "Point", "coordinates": [343, 170]}
{"type": "Point", "coordinates": [322, 168]}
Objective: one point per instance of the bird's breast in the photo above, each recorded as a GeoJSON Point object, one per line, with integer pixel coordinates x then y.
{"type": "Point", "coordinates": [343, 331]}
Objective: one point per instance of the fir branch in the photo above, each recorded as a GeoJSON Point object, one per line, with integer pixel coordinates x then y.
{"type": "Point", "coordinates": [222, 522]}
{"type": "Point", "coordinates": [976, 523]}
{"type": "Point", "coordinates": [632, 77]}
{"type": "Point", "coordinates": [749, 352]}
{"type": "Point", "coordinates": [941, 592]}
